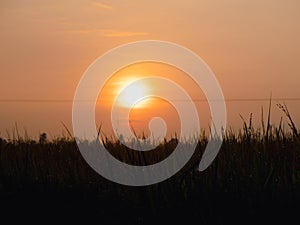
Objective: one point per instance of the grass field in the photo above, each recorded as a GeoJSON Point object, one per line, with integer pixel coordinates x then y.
{"type": "Point", "coordinates": [254, 179]}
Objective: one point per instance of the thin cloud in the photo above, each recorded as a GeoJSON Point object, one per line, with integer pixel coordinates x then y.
{"type": "Point", "coordinates": [110, 33]}
{"type": "Point", "coordinates": [101, 5]}
{"type": "Point", "coordinates": [114, 33]}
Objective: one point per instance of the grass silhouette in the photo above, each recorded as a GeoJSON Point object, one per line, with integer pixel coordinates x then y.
{"type": "Point", "coordinates": [255, 178]}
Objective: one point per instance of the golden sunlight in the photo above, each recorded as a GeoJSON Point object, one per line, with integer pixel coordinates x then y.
{"type": "Point", "coordinates": [127, 86]}
{"type": "Point", "coordinates": [131, 94]}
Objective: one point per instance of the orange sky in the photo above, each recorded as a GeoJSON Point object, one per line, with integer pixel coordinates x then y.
{"type": "Point", "coordinates": [253, 47]}
{"type": "Point", "coordinates": [154, 107]}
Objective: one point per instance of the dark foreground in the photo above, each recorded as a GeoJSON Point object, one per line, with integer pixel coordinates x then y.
{"type": "Point", "coordinates": [254, 180]}
{"type": "Point", "coordinates": [149, 208]}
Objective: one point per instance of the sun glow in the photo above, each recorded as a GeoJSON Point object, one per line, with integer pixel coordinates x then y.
{"type": "Point", "coordinates": [132, 94]}
{"type": "Point", "coordinates": [130, 84]}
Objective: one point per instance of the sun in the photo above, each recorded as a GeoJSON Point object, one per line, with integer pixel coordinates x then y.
{"type": "Point", "coordinates": [132, 94]}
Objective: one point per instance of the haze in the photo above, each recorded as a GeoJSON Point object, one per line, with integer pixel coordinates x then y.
{"type": "Point", "coordinates": [253, 47]}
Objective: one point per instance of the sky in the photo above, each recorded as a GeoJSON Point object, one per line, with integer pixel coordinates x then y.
{"type": "Point", "coordinates": [253, 48]}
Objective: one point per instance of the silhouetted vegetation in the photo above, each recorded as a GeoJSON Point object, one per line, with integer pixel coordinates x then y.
{"type": "Point", "coordinates": [255, 178]}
